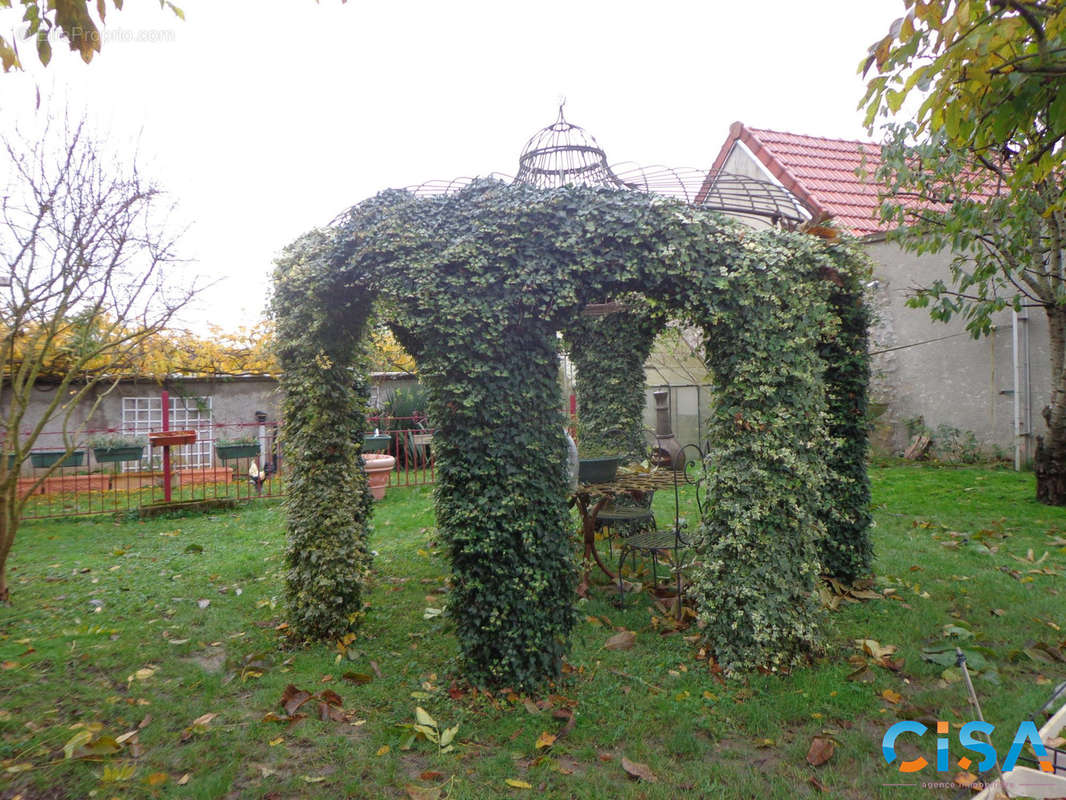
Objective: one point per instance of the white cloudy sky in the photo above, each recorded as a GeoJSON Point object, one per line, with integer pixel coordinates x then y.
{"type": "Point", "coordinates": [265, 118]}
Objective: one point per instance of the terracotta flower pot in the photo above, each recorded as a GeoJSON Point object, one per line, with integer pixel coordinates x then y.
{"type": "Point", "coordinates": [378, 468]}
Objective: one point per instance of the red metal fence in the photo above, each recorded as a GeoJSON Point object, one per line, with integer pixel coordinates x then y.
{"type": "Point", "coordinates": [100, 480]}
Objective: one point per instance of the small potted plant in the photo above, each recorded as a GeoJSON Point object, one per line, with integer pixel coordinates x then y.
{"type": "Point", "coordinates": [597, 464]}
{"type": "Point", "coordinates": [114, 448]}
{"type": "Point", "coordinates": [240, 447]}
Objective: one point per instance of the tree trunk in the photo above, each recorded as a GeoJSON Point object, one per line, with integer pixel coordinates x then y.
{"type": "Point", "coordinates": [7, 538]}
{"type": "Point", "coordinates": [1050, 461]}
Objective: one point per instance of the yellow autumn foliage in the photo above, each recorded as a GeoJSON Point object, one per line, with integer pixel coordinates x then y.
{"type": "Point", "coordinates": [244, 351]}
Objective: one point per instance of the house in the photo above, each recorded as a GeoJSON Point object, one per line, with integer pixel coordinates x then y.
{"type": "Point", "coordinates": [922, 370]}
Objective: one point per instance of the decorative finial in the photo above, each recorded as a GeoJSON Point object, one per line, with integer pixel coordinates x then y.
{"type": "Point", "coordinates": [562, 103]}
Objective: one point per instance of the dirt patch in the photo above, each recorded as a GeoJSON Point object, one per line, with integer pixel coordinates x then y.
{"type": "Point", "coordinates": [211, 660]}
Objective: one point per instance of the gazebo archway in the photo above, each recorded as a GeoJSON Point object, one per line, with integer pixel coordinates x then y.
{"type": "Point", "coordinates": [477, 284]}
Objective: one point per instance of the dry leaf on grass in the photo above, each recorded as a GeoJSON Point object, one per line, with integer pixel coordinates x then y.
{"type": "Point", "coordinates": [421, 793]}
{"type": "Point", "coordinates": [638, 771]}
{"type": "Point", "coordinates": [623, 640]}
{"type": "Point", "coordinates": [820, 751]}
{"type": "Point", "coordinates": [544, 740]}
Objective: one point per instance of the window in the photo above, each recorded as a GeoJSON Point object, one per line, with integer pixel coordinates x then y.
{"type": "Point", "coordinates": [141, 415]}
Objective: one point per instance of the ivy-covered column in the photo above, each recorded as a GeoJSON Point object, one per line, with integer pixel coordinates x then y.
{"type": "Point", "coordinates": [609, 353]}
{"type": "Point", "coordinates": [758, 543]}
{"type": "Point", "coordinates": [319, 329]}
{"type": "Point", "coordinates": [501, 501]}
{"type": "Point", "coordinates": [847, 551]}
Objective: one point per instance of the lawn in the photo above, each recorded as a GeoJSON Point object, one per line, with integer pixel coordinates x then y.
{"type": "Point", "coordinates": [174, 629]}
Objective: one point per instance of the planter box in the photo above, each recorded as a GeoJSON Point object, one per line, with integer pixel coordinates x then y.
{"type": "Point", "coordinates": [76, 483]}
{"type": "Point", "coordinates": [198, 477]}
{"type": "Point", "coordinates": [376, 444]}
{"type": "Point", "coordinates": [228, 451]}
{"type": "Point", "coordinates": [47, 458]}
{"type": "Point", "coordinates": [597, 470]}
{"type": "Point", "coordinates": [164, 438]}
{"type": "Point", "coordinates": [112, 455]}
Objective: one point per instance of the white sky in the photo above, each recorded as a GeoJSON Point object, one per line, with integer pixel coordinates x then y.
{"type": "Point", "coordinates": [265, 118]}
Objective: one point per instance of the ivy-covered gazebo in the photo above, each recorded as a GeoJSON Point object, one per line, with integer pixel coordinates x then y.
{"type": "Point", "coordinates": [477, 282]}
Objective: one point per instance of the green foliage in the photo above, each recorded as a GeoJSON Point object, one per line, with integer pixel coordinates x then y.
{"type": "Point", "coordinates": [759, 543]}
{"type": "Point", "coordinates": [1006, 243]}
{"type": "Point", "coordinates": [988, 73]}
{"type": "Point", "coordinates": [609, 354]}
{"type": "Point", "coordinates": [477, 283]}
{"type": "Point", "coordinates": [114, 441]}
{"type": "Point", "coordinates": [328, 500]}
{"type": "Point", "coordinates": [406, 403]}
{"type": "Point", "coordinates": [848, 552]}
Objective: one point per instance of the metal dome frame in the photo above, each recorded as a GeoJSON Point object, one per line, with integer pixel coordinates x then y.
{"type": "Point", "coordinates": [564, 154]}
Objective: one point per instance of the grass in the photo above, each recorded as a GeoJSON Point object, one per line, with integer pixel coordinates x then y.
{"type": "Point", "coordinates": [109, 632]}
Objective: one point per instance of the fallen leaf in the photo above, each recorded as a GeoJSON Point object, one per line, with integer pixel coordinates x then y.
{"type": "Point", "coordinates": [357, 678]}
{"type": "Point", "coordinates": [421, 793]}
{"type": "Point", "coordinates": [892, 696]}
{"type": "Point", "coordinates": [816, 784]}
{"type": "Point", "coordinates": [623, 640]}
{"type": "Point", "coordinates": [820, 751]}
{"type": "Point", "coordinates": [156, 779]}
{"type": "Point", "coordinates": [875, 649]}
{"type": "Point", "coordinates": [544, 740]}
{"type": "Point", "coordinates": [292, 698]}
{"type": "Point", "coordinates": [382, 750]}
{"type": "Point", "coordinates": [204, 719]}
{"type": "Point", "coordinates": [966, 779]}
{"type": "Point", "coordinates": [514, 783]}
{"type": "Point", "coordinates": [431, 775]}
{"type": "Point", "coordinates": [568, 726]}
{"type": "Point", "coordinates": [184, 779]}
{"type": "Point", "coordinates": [638, 771]}
{"type": "Point", "coordinates": [79, 739]}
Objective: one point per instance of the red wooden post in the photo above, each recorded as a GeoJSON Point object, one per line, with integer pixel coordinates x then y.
{"type": "Point", "coordinates": [166, 448]}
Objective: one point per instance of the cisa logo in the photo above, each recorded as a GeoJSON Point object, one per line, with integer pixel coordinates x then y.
{"type": "Point", "coordinates": [1027, 732]}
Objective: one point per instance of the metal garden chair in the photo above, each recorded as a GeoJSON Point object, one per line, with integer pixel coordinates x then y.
{"type": "Point", "coordinates": [671, 540]}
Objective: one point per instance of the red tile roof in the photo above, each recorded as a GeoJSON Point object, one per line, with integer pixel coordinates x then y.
{"type": "Point", "coordinates": [821, 173]}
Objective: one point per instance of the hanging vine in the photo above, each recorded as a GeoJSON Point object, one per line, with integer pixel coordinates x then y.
{"type": "Point", "coordinates": [479, 282]}
{"type": "Point", "coordinates": [609, 353]}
